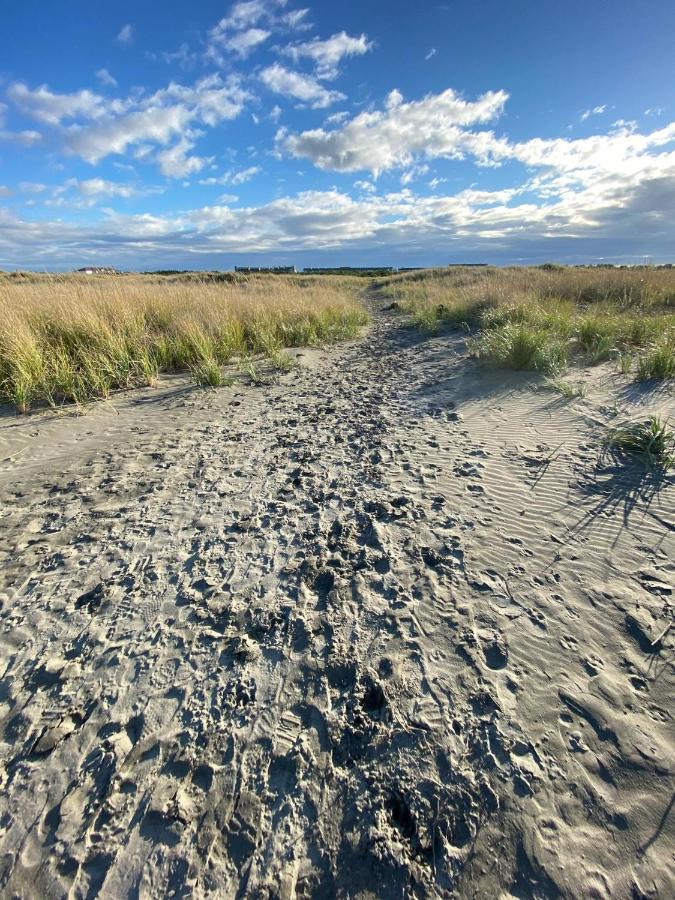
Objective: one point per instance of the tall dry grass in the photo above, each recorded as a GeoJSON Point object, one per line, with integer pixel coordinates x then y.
{"type": "Point", "coordinates": [77, 338]}
{"type": "Point", "coordinates": [537, 318]}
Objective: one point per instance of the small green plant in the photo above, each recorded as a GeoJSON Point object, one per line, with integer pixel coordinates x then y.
{"type": "Point", "coordinates": [283, 361]}
{"type": "Point", "coordinates": [208, 374]}
{"type": "Point", "coordinates": [657, 364]}
{"type": "Point", "coordinates": [522, 347]}
{"type": "Point", "coordinates": [625, 361]}
{"type": "Point", "coordinates": [652, 440]}
{"type": "Point", "coordinates": [566, 389]}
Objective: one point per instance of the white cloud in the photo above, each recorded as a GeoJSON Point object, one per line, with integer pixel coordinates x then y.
{"type": "Point", "coordinates": [106, 78]}
{"type": "Point", "coordinates": [112, 126]}
{"type": "Point", "coordinates": [241, 30]}
{"type": "Point", "coordinates": [295, 19]}
{"type": "Point", "coordinates": [5, 191]}
{"type": "Point", "coordinates": [413, 174]}
{"type": "Point", "coordinates": [392, 138]}
{"type": "Point", "coordinates": [26, 138]}
{"type": "Point", "coordinates": [175, 162]}
{"type": "Point", "coordinates": [156, 124]}
{"type": "Point", "coordinates": [337, 118]}
{"type": "Point", "coordinates": [32, 187]}
{"type": "Point", "coordinates": [595, 111]}
{"type": "Point", "coordinates": [125, 35]}
{"type": "Point", "coordinates": [327, 54]}
{"type": "Point", "coordinates": [430, 54]}
{"type": "Point", "coordinates": [46, 106]}
{"type": "Point", "coordinates": [244, 42]}
{"type": "Point", "coordinates": [97, 187]}
{"type": "Point", "coordinates": [602, 217]}
{"type": "Point", "coordinates": [243, 15]}
{"type": "Point", "coordinates": [210, 100]}
{"type": "Point", "coordinates": [298, 86]}
{"type": "Point", "coordinates": [88, 192]}
{"type": "Point", "coordinates": [233, 177]}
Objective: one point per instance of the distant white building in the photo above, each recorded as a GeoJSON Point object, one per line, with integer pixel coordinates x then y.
{"type": "Point", "coordinates": [97, 270]}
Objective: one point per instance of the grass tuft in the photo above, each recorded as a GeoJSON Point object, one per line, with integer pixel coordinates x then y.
{"type": "Point", "coordinates": [657, 364]}
{"type": "Point", "coordinates": [566, 389]}
{"type": "Point", "coordinates": [652, 440]}
{"type": "Point", "coordinates": [521, 347]}
{"type": "Point", "coordinates": [208, 373]}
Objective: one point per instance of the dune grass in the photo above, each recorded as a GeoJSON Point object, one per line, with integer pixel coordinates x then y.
{"type": "Point", "coordinates": [652, 441]}
{"type": "Point", "coordinates": [542, 318]}
{"type": "Point", "coordinates": [78, 338]}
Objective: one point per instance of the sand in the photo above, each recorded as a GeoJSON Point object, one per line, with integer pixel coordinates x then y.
{"type": "Point", "coordinates": [386, 627]}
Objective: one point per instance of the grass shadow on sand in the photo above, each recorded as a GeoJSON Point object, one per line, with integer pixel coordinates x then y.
{"type": "Point", "coordinates": [614, 485]}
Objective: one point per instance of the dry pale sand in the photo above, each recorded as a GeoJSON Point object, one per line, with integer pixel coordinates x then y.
{"type": "Point", "coordinates": [385, 628]}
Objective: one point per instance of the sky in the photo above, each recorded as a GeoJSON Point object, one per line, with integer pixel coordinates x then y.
{"type": "Point", "coordinates": [203, 135]}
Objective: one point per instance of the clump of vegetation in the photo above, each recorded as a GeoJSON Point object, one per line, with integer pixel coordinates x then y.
{"type": "Point", "coordinates": [208, 373]}
{"type": "Point", "coordinates": [652, 440]}
{"type": "Point", "coordinates": [541, 318]}
{"type": "Point", "coordinates": [658, 363]}
{"type": "Point", "coordinates": [75, 339]}
{"type": "Point", "coordinates": [566, 389]}
{"type": "Point", "coordinates": [521, 347]}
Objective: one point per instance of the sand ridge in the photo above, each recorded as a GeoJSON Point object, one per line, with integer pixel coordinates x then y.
{"type": "Point", "coordinates": [385, 628]}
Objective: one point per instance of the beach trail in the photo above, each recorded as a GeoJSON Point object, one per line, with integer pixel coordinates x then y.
{"type": "Point", "coordinates": [385, 626]}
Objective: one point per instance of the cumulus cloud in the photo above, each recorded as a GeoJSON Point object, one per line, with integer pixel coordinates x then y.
{"type": "Point", "coordinates": [496, 225]}
{"type": "Point", "coordinates": [51, 108]}
{"type": "Point", "coordinates": [125, 35]}
{"type": "Point", "coordinates": [247, 25]}
{"type": "Point", "coordinates": [90, 191]}
{"type": "Point", "coordinates": [327, 54]}
{"type": "Point", "coordinates": [112, 126]}
{"type": "Point", "coordinates": [157, 124]}
{"type": "Point", "coordinates": [176, 162]}
{"type": "Point", "coordinates": [244, 42]}
{"type": "Point", "coordinates": [393, 137]}
{"type": "Point", "coordinates": [298, 86]}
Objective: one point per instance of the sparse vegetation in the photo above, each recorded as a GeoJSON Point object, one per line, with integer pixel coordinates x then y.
{"type": "Point", "coordinates": [652, 440]}
{"type": "Point", "coordinates": [75, 339]}
{"type": "Point", "coordinates": [658, 362]}
{"type": "Point", "coordinates": [566, 389]}
{"type": "Point", "coordinates": [542, 318]}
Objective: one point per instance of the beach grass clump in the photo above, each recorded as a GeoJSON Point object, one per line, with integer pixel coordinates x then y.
{"type": "Point", "coordinates": [657, 363]}
{"type": "Point", "coordinates": [651, 440]}
{"type": "Point", "coordinates": [208, 373]}
{"type": "Point", "coordinates": [567, 389]}
{"type": "Point", "coordinates": [521, 347]}
{"type": "Point", "coordinates": [75, 339]}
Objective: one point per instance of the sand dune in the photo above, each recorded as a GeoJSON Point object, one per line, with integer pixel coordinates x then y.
{"type": "Point", "coordinates": [388, 627]}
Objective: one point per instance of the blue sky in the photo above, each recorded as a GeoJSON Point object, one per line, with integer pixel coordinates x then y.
{"type": "Point", "coordinates": [271, 131]}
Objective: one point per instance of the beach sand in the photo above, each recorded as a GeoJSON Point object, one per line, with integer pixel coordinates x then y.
{"type": "Point", "coordinates": [386, 627]}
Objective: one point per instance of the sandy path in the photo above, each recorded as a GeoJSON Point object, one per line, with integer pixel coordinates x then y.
{"type": "Point", "coordinates": [382, 629]}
